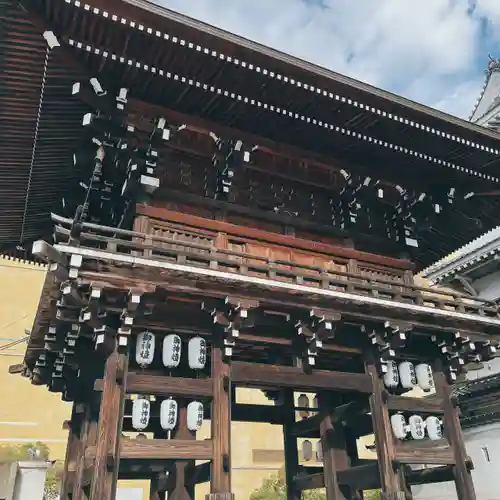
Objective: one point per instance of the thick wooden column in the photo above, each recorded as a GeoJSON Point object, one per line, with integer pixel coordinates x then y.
{"type": "Point", "coordinates": [88, 437]}
{"type": "Point", "coordinates": [72, 451]}
{"type": "Point", "coordinates": [333, 445]}
{"type": "Point", "coordinates": [390, 479]}
{"type": "Point", "coordinates": [453, 433]}
{"type": "Point", "coordinates": [220, 480]}
{"type": "Point", "coordinates": [291, 448]}
{"type": "Point", "coordinates": [107, 458]}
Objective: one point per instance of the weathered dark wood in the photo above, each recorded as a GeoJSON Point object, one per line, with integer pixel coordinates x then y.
{"type": "Point", "coordinates": [330, 444]}
{"type": "Point", "coordinates": [220, 481]}
{"type": "Point", "coordinates": [417, 405]}
{"type": "Point", "coordinates": [274, 376]}
{"type": "Point", "coordinates": [161, 449]}
{"type": "Point", "coordinates": [83, 475]}
{"type": "Point", "coordinates": [293, 492]}
{"type": "Point", "coordinates": [390, 482]}
{"type": "Point", "coordinates": [138, 383]}
{"type": "Point", "coordinates": [413, 452]}
{"type": "Point", "coordinates": [453, 433]}
{"type": "Point", "coordinates": [107, 451]}
{"type": "Point", "coordinates": [73, 448]}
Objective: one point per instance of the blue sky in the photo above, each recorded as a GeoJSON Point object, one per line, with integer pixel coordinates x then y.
{"type": "Point", "coordinates": [432, 51]}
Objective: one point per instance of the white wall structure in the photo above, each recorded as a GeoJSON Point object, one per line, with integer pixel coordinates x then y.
{"type": "Point", "coordinates": [23, 480]}
{"type": "Point", "coordinates": [483, 446]}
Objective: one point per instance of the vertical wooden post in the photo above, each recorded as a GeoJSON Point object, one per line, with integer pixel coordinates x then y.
{"type": "Point", "coordinates": [72, 452]}
{"type": "Point", "coordinates": [177, 489]}
{"type": "Point", "coordinates": [106, 462]}
{"type": "Point", "coordinates": [220, 480]}
{"type": "Point", "coordinates": [327, 431]}
{"type": "Point", "coordinates": [291, 448]}
{"type": "Point", "coordinates": [88, 437]}
{"type": "Point", "coordinates": [453, 432]}
{"type": "Point", "coordinates": [384, 439]}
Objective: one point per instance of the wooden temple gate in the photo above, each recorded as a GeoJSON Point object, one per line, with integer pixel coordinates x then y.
{"type": "Point", "coordinates": [119, 283]}
{"type": "Point", "coordinates": [242, 219]}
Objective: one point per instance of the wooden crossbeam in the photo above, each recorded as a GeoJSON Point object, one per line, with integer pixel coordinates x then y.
{"type": "Point", "coordinates": [416, 405]}
{"type": "Point", "coordinates": [161, 449]}
{"type": "Point", "coordinates": [428, 453]}
{"type": "Point", "coordinates": [264, 376]}
{"type": "Point", "coordinates": [138, 383]}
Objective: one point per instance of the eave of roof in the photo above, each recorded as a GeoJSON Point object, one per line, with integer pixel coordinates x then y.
{"type": "Point", "coordinates": [477, 252]}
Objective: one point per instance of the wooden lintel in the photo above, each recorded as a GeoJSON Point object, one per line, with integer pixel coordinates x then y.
{"type": "Point", "coordinates": [344, 412]}
{"type": "Point", "coordinates": [161, 449]}
{"type": "Point", "coordinates": [264, 376]}
{"type": "Point", "coordinates": [138, 383]}
{"type": "Point", "coordinates": [428, 453]}
{"type": "Point", "coordinates": [433, 475]}
{"type": "Point", "coordinates": [416, 405]}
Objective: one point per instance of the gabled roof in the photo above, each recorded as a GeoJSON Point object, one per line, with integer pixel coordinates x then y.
{"type": "Point", "coordinates": [171, 62]}
{"type": "Point", "coordinates": [474, 253]}
{"type": "Point", "coordinates": [489, 99]}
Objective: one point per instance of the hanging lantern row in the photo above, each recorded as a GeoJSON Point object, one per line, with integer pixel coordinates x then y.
{"type": "Point", "coordinates": [169, 414]}
{"type": "Point", "coordinates": [172, 349]}
{"type": "Point", "coordinates": [307, 451]}
{"type": "Point", "coordinates": [417, 427]}
{"type": "Point", "coordinates": [409, 376]}
{"type": "Point", "coordinates": [304, 404]}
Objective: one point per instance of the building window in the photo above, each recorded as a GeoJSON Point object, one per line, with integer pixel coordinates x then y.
{"type": "Point", "coordinates": [486, 453]}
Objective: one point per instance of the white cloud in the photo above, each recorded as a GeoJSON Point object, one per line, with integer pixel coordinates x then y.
{"type": "Point", "coordinates": [425, 49]}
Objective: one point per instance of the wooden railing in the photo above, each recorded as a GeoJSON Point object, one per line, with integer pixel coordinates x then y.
{"type": "Point", "coordinates": [182, 247]}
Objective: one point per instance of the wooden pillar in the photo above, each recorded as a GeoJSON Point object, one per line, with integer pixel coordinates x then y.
{"type": "Point", "coordinates": [453, 433]}
{"type": "Point", "coordinates": [220, 480]}
{"type": "Point", "coordinates": [177, 487]}
{"type": "Point", "coordinates": [330, 441]}
{"type": "Point", "coordinates": [353, 454]}
{"type": "Point", "coordinates": [88, 437]}
{"type": "Point", "coordinates": [390, 479]}
{"type": "Point", "coordinates": [106, 462]}
{"type": "Point", "coordinates": [72, 451]}
{"type": "Point", "coordinates": [291, 448]}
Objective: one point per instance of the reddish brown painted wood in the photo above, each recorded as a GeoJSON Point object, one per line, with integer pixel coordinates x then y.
{"type": "Point", "coordinates": [287, 241]}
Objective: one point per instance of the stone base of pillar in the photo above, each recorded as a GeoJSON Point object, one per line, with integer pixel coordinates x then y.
{"type": "Point", "coordinates": [219, 496]}
{"type": "Point", "coordinates": [398, 495]}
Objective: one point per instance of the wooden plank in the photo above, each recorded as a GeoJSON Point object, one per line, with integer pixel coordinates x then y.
{"type": "Point", "coordinates": [416, 405]}
{"type": "Point", "coordinates": [274, 376]}
{"type": "Point", "coordinates": [257, 234]}
{"type": "Point", "coordinates": [414, 453]}
{"type": "Point", "coordinates": [139, 383]}
{"type": "Point", "coordinates": [220, 481]}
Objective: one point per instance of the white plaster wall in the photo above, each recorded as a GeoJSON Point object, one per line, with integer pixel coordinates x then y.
{"type": "Point", "coordinates": [479, 443]}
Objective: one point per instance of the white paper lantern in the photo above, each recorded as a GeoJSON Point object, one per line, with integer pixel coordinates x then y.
{"type": "Point", "coordinates": [197, 353]}
{"type": "Point", "coordinates": [399, 427]}
{"type": "Point", "coordinates": [319, 451]}
{"type": "Point", "coordinates": [171, 355]}
{"type": "Point", "coordinates": [145, 348]}
{"type": "Point", "coordinates": [434, 428]}
{"type": "Point", "coordinates": [315, 402]}
{"type": "Point", "coordinates": [168, 414]}
{"type": "Point", "coordinates": [194, 415]}
{"type": "Point", "coordinates": [391, 376]}
{"type": "Point", "coordinates": [141, 411]}
{"type": "Point", "coordinates": [407, 375]}
{"type": "Point", "coordinates": [303, 402]}
{"type": "Point", "coordinates": [425, 380]}
{"type": "Point", "coordinates": [307, 450]}
{"type": "Point", "coordinates": [417, 427]}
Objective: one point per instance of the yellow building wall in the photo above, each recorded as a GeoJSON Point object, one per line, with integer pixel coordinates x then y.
{"type": "Point", "coordinates": [29, 413]}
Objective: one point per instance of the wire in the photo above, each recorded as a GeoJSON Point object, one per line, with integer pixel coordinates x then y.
{"type": "Point", "coordinates": [13, 344]}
